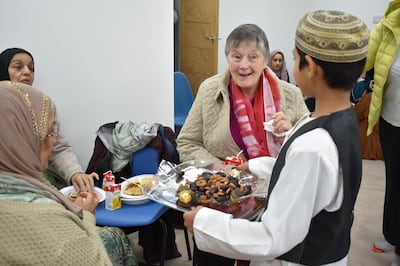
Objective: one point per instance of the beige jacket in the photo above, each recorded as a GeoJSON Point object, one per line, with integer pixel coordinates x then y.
{"type": "Point", "coordinates": [206, 133]}
{"type": "Point", "coordinates": [63, 164]}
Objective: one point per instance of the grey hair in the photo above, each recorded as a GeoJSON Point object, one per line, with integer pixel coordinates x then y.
{"type": "Point", "coordinates": [248, 33]}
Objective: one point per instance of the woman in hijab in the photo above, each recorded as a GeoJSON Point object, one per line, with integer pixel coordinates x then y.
{"type": "Point", "coordinates": [39, 224]}
{"type": "Point", "coordinates": [17, 65]}
{"type": "Point", "coordinates": [276, 63]}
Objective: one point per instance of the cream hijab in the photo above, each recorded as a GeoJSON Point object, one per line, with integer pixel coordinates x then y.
{"type": "Point", "coordinates": [24, 114]}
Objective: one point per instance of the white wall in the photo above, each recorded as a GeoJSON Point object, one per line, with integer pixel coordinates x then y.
{"type": "Point", "coordinates": [100, 60]}
{"type": "Point", "coordinates": [279, 19]}
{"type": "Point", "coordinates": [104, 60]}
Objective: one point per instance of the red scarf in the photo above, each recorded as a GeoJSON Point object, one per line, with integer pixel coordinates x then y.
{"type": "Point", "coordinates": [250, 118]}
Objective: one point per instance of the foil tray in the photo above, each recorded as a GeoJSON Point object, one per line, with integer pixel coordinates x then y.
{"type": "Point", "coordinates": [165, 184]}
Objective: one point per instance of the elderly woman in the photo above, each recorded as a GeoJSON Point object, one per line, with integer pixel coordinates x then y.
{"type": "Point", "coordinates": [229, 110]}
{"type": "Point", "coordinates": [277, 63]}
{"type": "Point", "coordinates": [39, 224]}
{"type": "Point", "coordinates": [17, 65]}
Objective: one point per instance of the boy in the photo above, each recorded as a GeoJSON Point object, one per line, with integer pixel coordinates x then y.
{"type": "Point", "coordinates": [316, 177]}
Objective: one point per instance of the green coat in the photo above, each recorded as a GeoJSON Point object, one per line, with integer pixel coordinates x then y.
{"type": "Point", "coordinates": [382, 50]}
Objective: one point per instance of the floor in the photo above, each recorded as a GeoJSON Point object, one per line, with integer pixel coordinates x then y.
{"type": "Point", "coordinates": [366, 229]}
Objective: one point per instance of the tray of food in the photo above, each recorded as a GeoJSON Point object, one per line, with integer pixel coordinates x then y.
{"type": "Point", "coordinates": [193, 183]}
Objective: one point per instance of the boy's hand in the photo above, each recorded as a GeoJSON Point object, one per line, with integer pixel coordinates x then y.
{"type": "Point", "coordinates": [188, 218]}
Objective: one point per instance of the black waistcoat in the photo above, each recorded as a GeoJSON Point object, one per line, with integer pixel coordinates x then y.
{"type": "Point", "coordinates": [328, 238]}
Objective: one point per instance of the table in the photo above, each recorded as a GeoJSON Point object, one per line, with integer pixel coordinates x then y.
{"type": "Point", "coordinates": [134, 216]}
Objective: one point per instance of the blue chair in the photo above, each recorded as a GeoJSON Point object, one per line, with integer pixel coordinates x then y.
{"type": "Point", "coordinates": [183, 99]}
{"type": "Point", "coordinates": [145, 161]}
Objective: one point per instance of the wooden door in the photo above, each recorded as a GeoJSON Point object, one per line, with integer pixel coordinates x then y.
{"type": "Point", "coordinates": [198, 40]}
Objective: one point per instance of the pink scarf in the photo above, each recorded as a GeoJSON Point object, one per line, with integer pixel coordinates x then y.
{"type": "Point", "coordinates": [250, 118]}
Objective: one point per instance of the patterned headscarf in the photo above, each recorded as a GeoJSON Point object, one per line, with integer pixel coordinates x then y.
{"type": "Point", "coordinates": [5, 59]}
{"type": "Point", "coordinates": [332, 36]}
{"type": "Point", "coordinates": [24, 114]}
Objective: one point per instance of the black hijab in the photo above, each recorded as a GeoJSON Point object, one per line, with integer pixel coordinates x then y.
{"type": "Point", "coordinates": [5, 59]}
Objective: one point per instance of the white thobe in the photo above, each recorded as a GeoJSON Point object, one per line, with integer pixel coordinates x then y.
{"type": "Point", "coordinates": [309, 182]}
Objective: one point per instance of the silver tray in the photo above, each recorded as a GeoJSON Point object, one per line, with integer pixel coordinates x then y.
{"type": "Point", "coordinates": [164, 186]}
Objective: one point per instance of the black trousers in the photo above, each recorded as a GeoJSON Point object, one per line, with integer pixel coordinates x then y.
{"type": "Point", "coordinates": [202, 258]}
{"type": "Point", "coordinates": [150, 239]}
{"type": "Point", "coordinates": [390, 142]}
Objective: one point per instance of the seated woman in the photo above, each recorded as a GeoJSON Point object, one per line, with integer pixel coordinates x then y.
{"type": "Point", "coordinates": [17, 65]}
{"type": "Point", "coordinates": [39, 224]}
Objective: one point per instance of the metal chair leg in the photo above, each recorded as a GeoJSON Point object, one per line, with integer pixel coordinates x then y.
{"type": "Point", "coordinates": [187, 243]}
{"type": "Point", "coordinates": [194, 262]}
{"type": "Point", "coordinates": [164, 242]}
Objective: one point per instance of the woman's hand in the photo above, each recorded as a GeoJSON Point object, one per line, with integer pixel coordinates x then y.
{"type": "Point", "coordinates": [188, 218]}
{"type": "Point", "coordinates": [221, 166]}
{"type": "Point", "coordinates": [244, 167]}
{"type": "Point", "coordinates": [83, 182]}
{"type": "Point", "coordinates": [87, 201]}
{"type": "Point", "coordinates": [281, 123]}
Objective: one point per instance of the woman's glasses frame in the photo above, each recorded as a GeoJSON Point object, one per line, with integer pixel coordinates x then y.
{"type": "Point", "coordinates": [55, 134]}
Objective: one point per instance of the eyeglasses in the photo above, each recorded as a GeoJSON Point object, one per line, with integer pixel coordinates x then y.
{"type": "Point", "coordinates": [54, 136]}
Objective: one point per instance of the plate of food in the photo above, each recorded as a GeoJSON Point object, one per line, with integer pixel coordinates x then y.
{"type": "Point", "coordinates": [72, 195]}
{"type": "Point", "coordinates": [192, 183]}
{"type": "Point", "coordinates": [132, 189]}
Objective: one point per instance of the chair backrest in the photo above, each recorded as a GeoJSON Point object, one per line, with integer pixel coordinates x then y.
{"type": "Point", "coordinates": [183, 98]}
{"type": "Point", "coordinates": [145, 161]}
